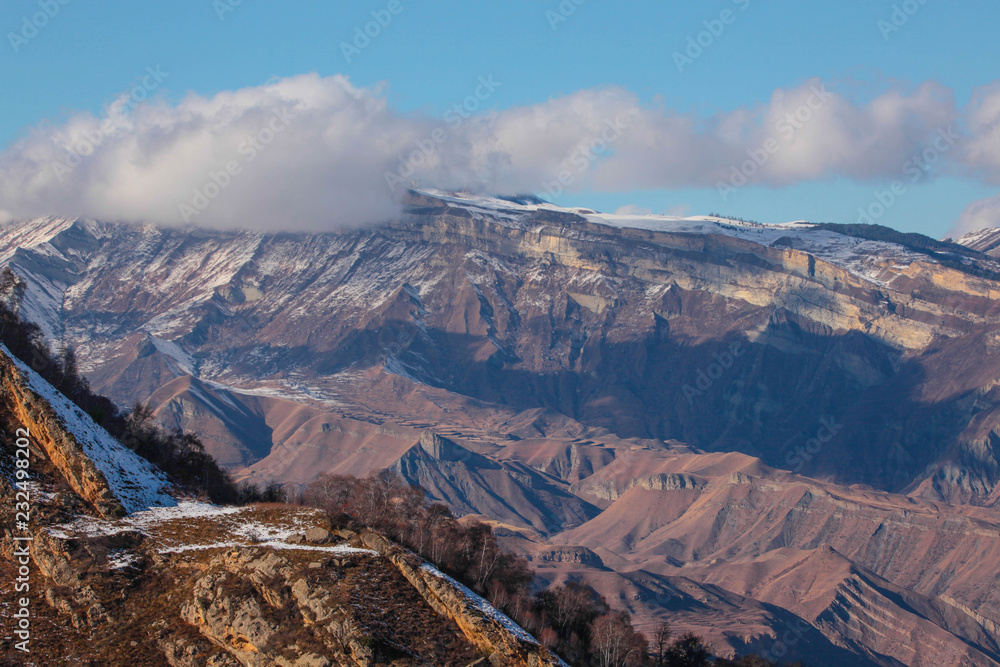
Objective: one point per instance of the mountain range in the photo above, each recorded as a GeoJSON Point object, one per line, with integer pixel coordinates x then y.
{"type": "Point", "coordinates": [781, 436]}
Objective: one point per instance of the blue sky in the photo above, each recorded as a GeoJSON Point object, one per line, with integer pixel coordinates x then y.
{"type": "Point", "coordinates": [430, 56]}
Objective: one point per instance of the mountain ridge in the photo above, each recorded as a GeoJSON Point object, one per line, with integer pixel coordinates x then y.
{"type": "Point", "coordinates": [642, 369]}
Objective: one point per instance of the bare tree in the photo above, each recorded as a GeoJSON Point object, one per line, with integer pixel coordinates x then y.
{"type": "Point", "coordinates": [375, 498]}
{"type": "Point", "coordinates": [689, 651]}
{"type": "Point", "coordinates": [614, 643]}
{"type": "Point", "coordinates": [330, 492]}
{"type": "Point", "coordinates": [661, 643]}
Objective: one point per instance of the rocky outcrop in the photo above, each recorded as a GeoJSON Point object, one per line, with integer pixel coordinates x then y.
{"type": "Point", "coordinates": [657, 482]}
{"type": "Point", "coordinates": [492, 632]}
{"type": "Point", "coordinates": [204, 604]}
{"type": "Point", "coordinates": [51, 439]}
{"type": "Point", "coordinates": [252, 601]}
{"type": "Point", "coordinates": [237, 605]}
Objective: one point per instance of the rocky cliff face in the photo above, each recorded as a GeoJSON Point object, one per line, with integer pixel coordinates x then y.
{"type": "Point", "coordinates": [71, 448]}
{"type": "Point", "coordinates": [22, 406]}
{"type": "Point", "coordinates": [726, 336]}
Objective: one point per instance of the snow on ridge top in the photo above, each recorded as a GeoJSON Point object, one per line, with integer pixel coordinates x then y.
{"type": "Point", "coordinates": [482, 605]}
{"type": "Point", "coordinates": [134, 481]}
{"type": "Point", "coordinates": [640, 221]}
{"type": "Point", "coordinates": [480, 201]}
{"type": "Point", "coordinates": [692, 224]}
{"type": "Point", "coordinates": [866, 259]}
{"type": "Point", "coordinates": [31, 233]}
{"type": "Point", "coordinates": [980, 239]}
{"type": "Point", "coordinates": [706, 224]}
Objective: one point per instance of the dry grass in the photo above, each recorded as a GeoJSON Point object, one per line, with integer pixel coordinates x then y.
{"type": "Point", "coordinates": [397, 617]}
{"type": "Point", "coordinates": [145, 599]}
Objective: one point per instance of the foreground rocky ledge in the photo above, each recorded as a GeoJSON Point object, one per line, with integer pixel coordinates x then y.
{"type": "Point", "coordinates": [199, 586]}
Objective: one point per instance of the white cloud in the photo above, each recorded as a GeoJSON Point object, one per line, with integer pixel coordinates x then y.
{"type": "Point", "coordinates": [978, 215]}
{"type": "Point", "coordinates": [981, 154]}
{"type": "Point", "coordinates": [327, 166]}
{"type": "Point", "coordinates": [310, 152]}
{"type": "Point", "coordinates": [983, 122]}
{"type": "Point", "coordinates": [803, 133]}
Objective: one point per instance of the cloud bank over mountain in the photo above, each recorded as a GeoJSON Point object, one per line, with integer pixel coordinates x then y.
{"type": "Point", "coordinates": [311, 152]}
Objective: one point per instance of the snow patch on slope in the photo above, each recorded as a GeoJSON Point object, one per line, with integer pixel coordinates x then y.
{"type": "Point", "coordinates": [136, 483]}
{"type": "Point", "coordinates": [337, 549]}
{"type": "Point", "coordinates": [183, 363]}
{"type": "Point", "coordinates": [42, 304]}
{"type": "Point", "coordinates": [227, 526]}
{"type": "Point", "coordinates": [143, 520]}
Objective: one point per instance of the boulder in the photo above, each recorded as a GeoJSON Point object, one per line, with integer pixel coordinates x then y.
{"type": "Point", "coordinates": [318, 536]}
